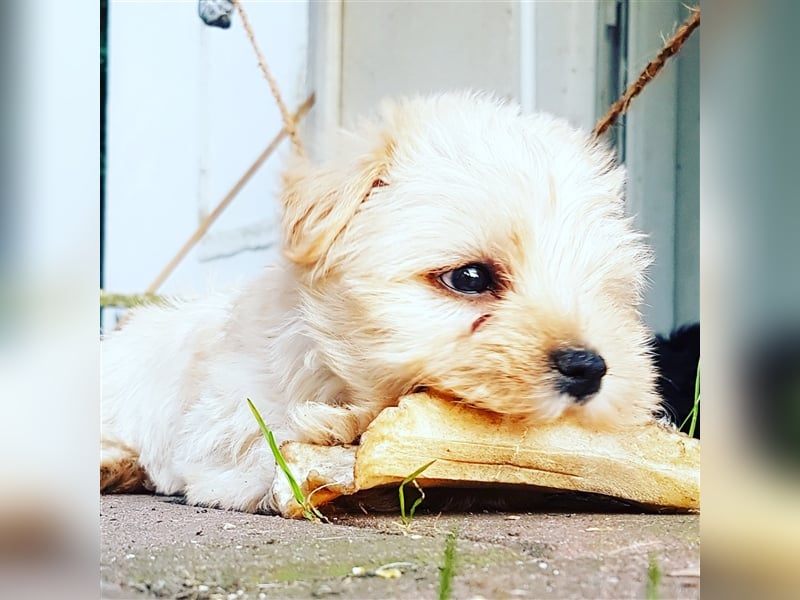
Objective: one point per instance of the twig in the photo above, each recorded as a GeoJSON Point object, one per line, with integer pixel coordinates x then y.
{"type": "Point", "coordinates": [671, 47]}
{"type": "Point", "coordinates": [214, 214]}
{"type": "Point", "coordinates": [289, 121]}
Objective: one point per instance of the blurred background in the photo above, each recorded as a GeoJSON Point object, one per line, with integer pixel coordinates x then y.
{"type": "Point", "coordinates": [186, 111]}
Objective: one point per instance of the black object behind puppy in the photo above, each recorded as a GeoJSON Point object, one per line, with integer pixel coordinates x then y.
{"type": "Point", "coordinates": [676, 357]}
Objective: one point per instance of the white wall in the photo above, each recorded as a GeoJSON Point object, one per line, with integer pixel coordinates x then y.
{"type": "Point", "coordinates": [188, 112]}
{"type": "Point", "coordinates": [565, 63]}
{"type": "Point", "coordinates": [541, 54]}
{"type": "Point", "coordinates": [662, 157]}
{"type": "Point", "coordinates": [398, 48]}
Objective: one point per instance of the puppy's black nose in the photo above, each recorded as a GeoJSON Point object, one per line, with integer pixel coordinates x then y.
{"type": "Point", "coordinates": [580, 372]}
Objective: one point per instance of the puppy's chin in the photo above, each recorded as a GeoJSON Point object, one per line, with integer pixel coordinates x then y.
{"type": "Point", "coordinates": [604, 413]}
{"type": "Point", "coordinates": [599, 412]}
{"type": "Point", "coordinates": [532, 410]}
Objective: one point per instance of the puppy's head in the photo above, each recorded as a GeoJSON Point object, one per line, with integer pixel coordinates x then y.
{"type": "Point", "coordinates": [458, 245]}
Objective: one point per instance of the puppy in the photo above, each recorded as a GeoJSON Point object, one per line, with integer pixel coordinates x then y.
{"type": "Point", "coordinates": [451, 243]}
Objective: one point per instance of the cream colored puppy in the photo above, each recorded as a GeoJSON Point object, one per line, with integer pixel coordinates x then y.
{"type": "Point", "coordinates": [453, 244]}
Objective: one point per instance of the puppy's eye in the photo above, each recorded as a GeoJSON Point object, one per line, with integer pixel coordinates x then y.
{"type": "Point", "coordinates": [474, 278]}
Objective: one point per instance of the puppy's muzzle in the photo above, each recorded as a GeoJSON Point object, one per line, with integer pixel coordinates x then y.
{"type": "Point", "coordinates": [579, 372]}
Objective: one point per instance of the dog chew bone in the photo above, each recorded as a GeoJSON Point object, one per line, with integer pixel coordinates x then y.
{"type": "Point", "coordinates": [650, 464]}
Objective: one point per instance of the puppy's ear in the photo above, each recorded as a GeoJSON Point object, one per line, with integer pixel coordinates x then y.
{"type": "Point", "coordinates": [319, 200]}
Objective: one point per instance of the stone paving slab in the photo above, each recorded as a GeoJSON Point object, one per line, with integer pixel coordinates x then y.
{"type": "Point", "coordinates": [153, 547]}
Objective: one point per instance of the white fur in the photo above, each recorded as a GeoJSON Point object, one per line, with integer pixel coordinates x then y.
{"type": "Point", "coordinates": [354, 317]}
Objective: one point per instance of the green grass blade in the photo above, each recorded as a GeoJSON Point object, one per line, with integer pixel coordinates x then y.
{"type": "Point", "coordinates": [695, 412]}
{"type": "Point", "coordinates": [447, 570]}
{"type": "Point", "coordinates": [296, 491]}
{"type": "Point", "coordinates": [653, 579]}
{"type": "Point", "coordinates": [416, 473]}
{"type": "Point", "coordinates": [406, 518]}
{"type": "Point", "coordinates": [696, 409]}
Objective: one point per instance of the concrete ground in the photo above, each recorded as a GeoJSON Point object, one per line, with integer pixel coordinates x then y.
{"type": "Point", "coordinates": [153, 547]}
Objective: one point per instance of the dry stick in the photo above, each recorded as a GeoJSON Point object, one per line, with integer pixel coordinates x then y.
{"type": "Point", "coordinates": [288, 121]}
{"type": "Point", "coordinates": [652, 69]}
{"type": "Point", "coordinates": [212, 216]}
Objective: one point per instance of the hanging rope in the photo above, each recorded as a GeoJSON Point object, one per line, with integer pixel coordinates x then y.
{"type": "Point", "coordinates": [288, 120]}
{"type": "Point", "coordinates": [204, 225]}
{"type": "Point", "coordinates": [670, 48]}
{"type": "Point", "coordinates": [218, 14]}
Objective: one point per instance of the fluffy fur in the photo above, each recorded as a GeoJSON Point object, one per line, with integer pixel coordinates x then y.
{"type": "Point", "coordinates": [357, 314]}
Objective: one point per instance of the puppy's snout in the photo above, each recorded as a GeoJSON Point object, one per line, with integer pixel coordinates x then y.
{"type": "Point", "coordinates": [580, 372]}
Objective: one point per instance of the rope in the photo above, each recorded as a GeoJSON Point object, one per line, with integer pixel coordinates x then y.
{"type": "Point", "coordinates": [289, 122]}
{"type": "Point", "coordinates": [223, 204]}
{"type": "Point", "coordinates": [289, 128]}
{"type": "Point", "coordinates": [670, 48]}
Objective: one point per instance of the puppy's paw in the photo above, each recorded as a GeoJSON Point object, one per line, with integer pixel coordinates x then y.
{"type": "Point", "coordinates": [243, 487]}
{"type": "Point", "coordinates": [318, 423]}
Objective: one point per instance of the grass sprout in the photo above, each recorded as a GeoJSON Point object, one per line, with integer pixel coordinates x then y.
{"type": "Point", "coordinates": [695, 412]}
{"type": "Point", "coordinates": [406, 518]}
{"type": "Point", "coordinates": [310, 511]}
{"type": "Point", "coordinates": [653, 579]}
{"type": "Point", "coordinates": [448, 568]}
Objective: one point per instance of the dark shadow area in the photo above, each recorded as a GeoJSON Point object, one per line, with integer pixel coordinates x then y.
{"type": "Point", "coordinates": [489, 499]}
{"type": "Point", "coordinates": [676, 357]}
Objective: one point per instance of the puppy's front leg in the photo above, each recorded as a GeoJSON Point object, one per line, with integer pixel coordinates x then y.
{"type": "Point", "coordinates": [236, 472]}
{"type": "Point", "coordinates": [242, 484]}
{"type": "Point", "coordinates": [319, 423]}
